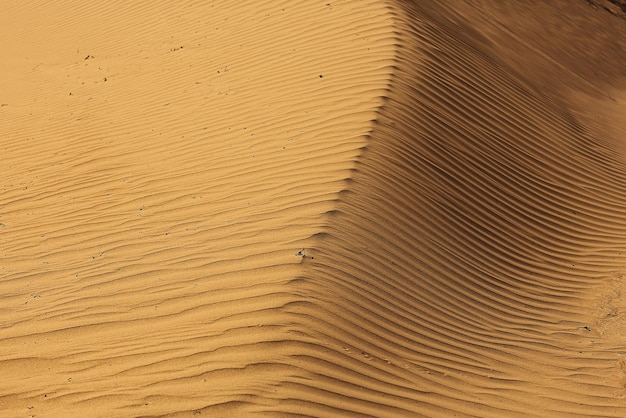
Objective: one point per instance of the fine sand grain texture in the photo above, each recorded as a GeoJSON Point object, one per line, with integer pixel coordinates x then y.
{"type": "Point", "coordinates": [346, 208]}
{"type": "Point", "coordinates": [162, 164]}
{"type": "Point", "coordinates": [479, 251]}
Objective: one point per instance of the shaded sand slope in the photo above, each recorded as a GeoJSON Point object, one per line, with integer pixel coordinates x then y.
{"type": "Point", "coordinates": [475, 264]}
{"type": "Point", "coordinates": [459, 180]}
{"type": "Point", "coordinates": [161, 167]}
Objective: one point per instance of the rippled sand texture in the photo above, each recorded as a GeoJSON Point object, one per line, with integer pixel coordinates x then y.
{"type": "Point", "coordinates": [475, 264]}
{"type": "Point", "coordinates": [455, 173]}
{"type": "Point", "coordinates": [162, 164]}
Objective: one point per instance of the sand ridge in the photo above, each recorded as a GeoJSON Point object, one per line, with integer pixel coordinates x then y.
{"type": "Point", "coordinates": [347, 208]}
{"type": "Point", "coordinates": [162, 166]}
{"type": "Point", "coordinates": [483, 236]}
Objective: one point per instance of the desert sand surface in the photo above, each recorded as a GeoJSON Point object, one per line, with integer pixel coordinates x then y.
{"type": "Point", "coordinates": [301, 208]}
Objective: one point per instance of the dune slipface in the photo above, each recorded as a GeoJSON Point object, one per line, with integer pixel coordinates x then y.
{"type": "Point", "coordinates": [357, 208]}
{"type": "Point", "coordinates": [475, 264]}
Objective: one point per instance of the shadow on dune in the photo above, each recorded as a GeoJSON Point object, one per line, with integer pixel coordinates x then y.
{"type": "Point", "coordinates": [458, 270]}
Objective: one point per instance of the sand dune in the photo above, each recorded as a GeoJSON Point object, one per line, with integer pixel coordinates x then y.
{"type": "Point", "coordinates": [354, 208]}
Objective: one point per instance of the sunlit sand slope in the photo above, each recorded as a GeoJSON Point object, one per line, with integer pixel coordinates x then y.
{"type": "Point", "coordinates": [475, 264]}
{"type": "Point", "coordinates": [162, 164]}
{"type": "Point", "coordinates": [351, 208]}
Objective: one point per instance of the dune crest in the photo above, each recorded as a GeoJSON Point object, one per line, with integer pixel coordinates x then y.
{"type": "Point", "coordinates": [312, 209]}
{"type": "Point", "coordinates": [477, 258]}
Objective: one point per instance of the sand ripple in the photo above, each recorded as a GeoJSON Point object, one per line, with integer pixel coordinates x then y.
{"type": "Point", "coordinates": [311, 209]}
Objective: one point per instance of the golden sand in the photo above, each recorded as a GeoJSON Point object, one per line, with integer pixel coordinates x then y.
{"type": "Point", "coordinates": [347, 208]}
